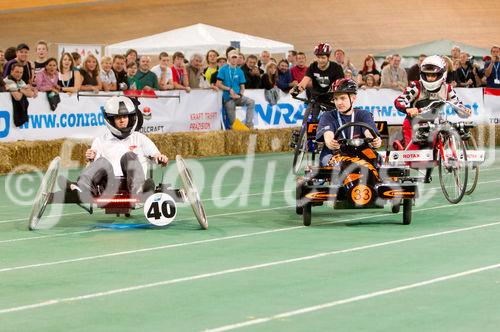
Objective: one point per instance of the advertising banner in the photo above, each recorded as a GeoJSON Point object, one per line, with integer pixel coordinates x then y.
{"type": "Point", "coordinates": [492, 105]}
{"type": "Point", "coordinates": [381, 104]}
{"type": "Point", "coordinates": [81, 116]}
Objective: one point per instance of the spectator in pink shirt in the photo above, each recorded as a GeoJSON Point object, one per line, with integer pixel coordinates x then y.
{"type": "Point", "coordinates": [300, 68]}
{"type": "Point", "coordinates": [46, 79]}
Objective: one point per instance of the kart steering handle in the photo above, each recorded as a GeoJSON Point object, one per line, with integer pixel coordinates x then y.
{"type": "Point", "coordinates": [355, 124]}
{"type": "Point", "coordinates": [439, 103]}
{"type": "Point", "coordinates": [305, 100]}
{"type": "Point", "coordinates": [310, 101]}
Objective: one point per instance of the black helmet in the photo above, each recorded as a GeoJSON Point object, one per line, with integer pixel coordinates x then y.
{"type": "Point", "coordinates": [344, 85]}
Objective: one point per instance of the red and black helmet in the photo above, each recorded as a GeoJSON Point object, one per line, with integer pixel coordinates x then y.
{"type": "Point", "coordinates": [323, 49]}
{"type": "Point", "coordinates": [344, 85]}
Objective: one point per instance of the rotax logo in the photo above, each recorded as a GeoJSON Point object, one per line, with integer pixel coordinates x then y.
{"type": "Point", "coordinates": [4, 123]}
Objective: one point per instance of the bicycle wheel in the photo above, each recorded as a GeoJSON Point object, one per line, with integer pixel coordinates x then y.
{"type": "Point", "coordinates": [474, 168]}
{"type": "Point", "coordinates": [43, 195]}
{"type": "Point", "coordinates": [191, 192]}
{"type": "Point", "coordinates": [453, 168]}
{"type": "Point", "coordinates": [300, 150]}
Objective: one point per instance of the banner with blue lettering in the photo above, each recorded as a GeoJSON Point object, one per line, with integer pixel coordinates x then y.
{"type": "Point", "coordinates": [81, 117]}
{"type": "Point", "coordinates": [381, 104]}
{"type": "Point", "coordinates": [200, 111]}
{"type": "Point", "coordinates": [288, 112]}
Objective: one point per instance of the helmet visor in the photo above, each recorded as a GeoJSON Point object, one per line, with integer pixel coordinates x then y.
{"type": "Point", "coordinates": [431, 69]}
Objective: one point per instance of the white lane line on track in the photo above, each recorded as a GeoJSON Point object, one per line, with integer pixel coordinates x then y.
{"type": "Point", "coordinates": [49, 216]}
{"type": "Point", "coordinates": [211, 199]}
{"type": "Point", "coordinates": [358, 298]}
{"type": "Point", "coordinates": [184, 219]}
{"type": "Point", "coordinates": [128, 252]}
{"type": "Point", "coordinates": [236, 270]}
{"type": "Point", "coordinates": [77, 213]}
{"type": "Point", "coordinates": [169, 246]}
{"type": "Point", "coordinates": [98, 230]}
{"type": "Point", "coordinates": [50, 236]}
{"type": "Point", "coordinates": [247, 195]}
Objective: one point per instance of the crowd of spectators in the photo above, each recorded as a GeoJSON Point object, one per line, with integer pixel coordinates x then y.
{"type": "Point", "coordinates": [130, 71]}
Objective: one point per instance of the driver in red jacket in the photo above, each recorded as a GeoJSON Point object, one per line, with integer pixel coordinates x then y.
{"type": "Point", "coordinates": [431, 87]}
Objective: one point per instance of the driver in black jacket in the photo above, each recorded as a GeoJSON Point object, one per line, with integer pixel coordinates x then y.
{"type": "Point", "coordinates": [344, 94]}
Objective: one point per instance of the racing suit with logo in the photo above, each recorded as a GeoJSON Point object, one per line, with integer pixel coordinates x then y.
{"type": "Point", "coordinates": [415, 95]}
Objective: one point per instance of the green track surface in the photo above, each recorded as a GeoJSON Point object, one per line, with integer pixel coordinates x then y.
{"type": "Point", "coordinates": [255, 261]}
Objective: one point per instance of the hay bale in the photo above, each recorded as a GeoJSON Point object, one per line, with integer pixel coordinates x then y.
{"type": "Point", "coordinates": [210, 144]}
{"type": "Point", "coordinates": [34, 153]}
{"type": "Point", "coordinates": [5, 160]}
{"type": "Point", "coordinates": [236, 142]}
{"type": "Point", "coordinates": [165, 143]}
{"type": "Point", "coordinates": [274, 140]}
{"type": "Point", "coordinates": [217, 143]}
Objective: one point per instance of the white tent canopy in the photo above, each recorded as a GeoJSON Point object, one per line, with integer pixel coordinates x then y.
{"type": "Point", "coordinates": [198, 38]}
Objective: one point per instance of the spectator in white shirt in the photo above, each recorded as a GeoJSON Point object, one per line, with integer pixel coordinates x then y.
{"type": "Point", "coordinates": [107, 75]}
{"type": "Point", "coordinates": [163, 72]}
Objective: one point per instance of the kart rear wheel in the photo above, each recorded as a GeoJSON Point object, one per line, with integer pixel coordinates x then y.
{"type": "Point", "coordinates": [474, 169]}
{"type": "Point", "coordinates": [407, 207]}
{"type": "Point", "coordinates": [306, 216]}
{"type": "Point", "coordinates": [453, 170]}
{"type": "Point", "coordinates": [395, 206]}
{"type": "Point", "coordinates": [299, 151]}
{"type": "Point", "coordinates": [43, 195]}
{"type": "Point", "coordinates": [191, 192]}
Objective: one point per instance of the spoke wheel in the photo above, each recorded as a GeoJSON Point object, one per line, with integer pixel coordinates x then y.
{"type": "Point", "coordinates": [453, 168]}
{"type": "Point", "coordinates": [191, 192]}
{"type": "Point", "coordinates": [43, 195]}
{"type": "Point", "coordinates": [474, 168]}
{"type": "Point", "coordinates": [299, 151]}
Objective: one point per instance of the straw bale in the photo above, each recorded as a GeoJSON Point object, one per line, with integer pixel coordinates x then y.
{"type": "Point", "coordinates": [218, 143]}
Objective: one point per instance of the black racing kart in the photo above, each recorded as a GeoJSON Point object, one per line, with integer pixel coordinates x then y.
{"type": "Point", "coordinates": [356, 179]}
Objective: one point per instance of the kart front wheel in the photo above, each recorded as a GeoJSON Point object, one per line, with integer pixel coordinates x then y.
{"type": "Point", "coordinates": [306, 214]}
{"type": "Point", "coordinates": [299, 206]}
{"type": "Point", "coordinates": [395, 206]}
{"type": "Point", "coordinates": [191, 192]}
{"type": "Point", "coordinates": [43, 196]}
{"type": "Point", "coordinates": [407, 207]}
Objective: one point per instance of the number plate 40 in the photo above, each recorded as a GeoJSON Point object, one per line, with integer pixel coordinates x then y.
{"type": "Point", "coordinates": [160, 209]}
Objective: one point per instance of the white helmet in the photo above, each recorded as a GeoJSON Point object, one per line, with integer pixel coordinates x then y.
{"type": "Point", "coordinates": [121, 106]}
{"type": "Point", "coordinates": [433, 64]}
